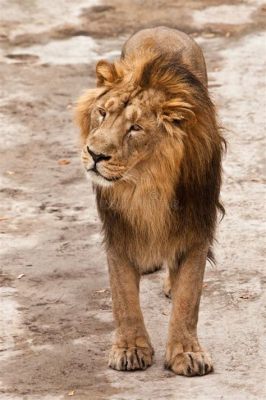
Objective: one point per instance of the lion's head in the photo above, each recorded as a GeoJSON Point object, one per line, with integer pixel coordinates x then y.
{"type": "Point", "coordinates": [140, 117]}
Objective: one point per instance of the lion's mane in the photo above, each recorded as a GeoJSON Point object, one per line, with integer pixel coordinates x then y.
{"type": "Point", "coordinates": [187, 177]}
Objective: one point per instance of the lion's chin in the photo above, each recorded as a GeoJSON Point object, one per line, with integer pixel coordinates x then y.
{"type": "Point", "coordinates": [98, 179]}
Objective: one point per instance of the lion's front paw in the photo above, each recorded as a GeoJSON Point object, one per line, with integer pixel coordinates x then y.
{"type": "Point", "coordinates": [130, 359]}
{"type": "Point", "coordinates": [189, 363]}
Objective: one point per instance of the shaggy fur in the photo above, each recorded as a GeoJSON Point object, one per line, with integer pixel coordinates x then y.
{"type": "Point", "coordinates": [158, 186]}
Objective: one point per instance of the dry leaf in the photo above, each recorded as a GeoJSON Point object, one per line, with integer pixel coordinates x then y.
{"type": "Point", "coordinates": [211, 85]}
{"type": "Point", "coordinates": [208, 35]}
{"type": "Point", "coordinates": [63, 161]}
{"type": "Point", "coordinates": [101, 291]}
{"type": "Point", "coordinates": [3, 218]}
{"type": "Point", "coordinates": [20, 276]}
{"type": "Point", "coordinates": [71, 393]}
{"type": "Point", "coordinates": [246, 296]}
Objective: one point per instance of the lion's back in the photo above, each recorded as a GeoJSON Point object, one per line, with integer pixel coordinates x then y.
{"type": "Point", "coordinates": [169, 41]}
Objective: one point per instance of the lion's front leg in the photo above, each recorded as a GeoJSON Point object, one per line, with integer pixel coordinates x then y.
{"type": "Point", "coordinates": [131, 349]}
{"type": "Point", "coordinates": [184, 355]}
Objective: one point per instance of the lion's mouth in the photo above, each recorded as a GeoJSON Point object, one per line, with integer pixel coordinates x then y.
{"type": "Point", "coordinates": [94, 169]}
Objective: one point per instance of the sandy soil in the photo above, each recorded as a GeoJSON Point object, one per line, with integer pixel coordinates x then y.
{"type": "Point", "coordinates": [55, 306]}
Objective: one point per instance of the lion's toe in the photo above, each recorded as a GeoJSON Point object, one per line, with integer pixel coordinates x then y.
{"type": "Point", "coordinates": [130, 359]}
{"type": "Point", "coordinates": [190, 364]}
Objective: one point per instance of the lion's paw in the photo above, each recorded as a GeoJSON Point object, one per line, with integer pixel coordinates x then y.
{"type": "Point", "coordinates": [130, 359]}
{"type": "Point", "coordinates": [190, 363]}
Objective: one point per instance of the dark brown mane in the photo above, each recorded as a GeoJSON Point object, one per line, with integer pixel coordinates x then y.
{"type": "Point", "coordinates": [198, 188]}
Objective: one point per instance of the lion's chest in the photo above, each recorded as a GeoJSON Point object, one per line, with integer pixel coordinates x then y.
{"type": "Point", "coordinates": [148, 220]}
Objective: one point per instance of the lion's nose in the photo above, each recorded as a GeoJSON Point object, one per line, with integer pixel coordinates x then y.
{"type": "Point", "coordinates": [97, 157]}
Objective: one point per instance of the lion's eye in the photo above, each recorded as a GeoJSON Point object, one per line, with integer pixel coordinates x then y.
{"type": "Point", "coordinates": [102, 112]}
{"type": "Point", "coordinates": [135, 127]}
{"type": "Point", "coordinates": [177, 122]}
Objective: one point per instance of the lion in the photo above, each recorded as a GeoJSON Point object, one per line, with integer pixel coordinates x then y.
{"type": "Point", "coordinates": [152, 149]}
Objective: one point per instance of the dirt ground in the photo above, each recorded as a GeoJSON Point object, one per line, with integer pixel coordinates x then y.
{"type": "Point", "coordinates": [55, 305]}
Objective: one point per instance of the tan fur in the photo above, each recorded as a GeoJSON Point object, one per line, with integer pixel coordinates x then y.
{"type": "Point", "coordinates": [157, 186]}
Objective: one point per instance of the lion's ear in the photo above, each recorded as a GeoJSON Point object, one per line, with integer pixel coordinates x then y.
{"type": "Point", "coordinates": [106, 73]}
{"type": "Point", "coordinates": [174, 112]}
